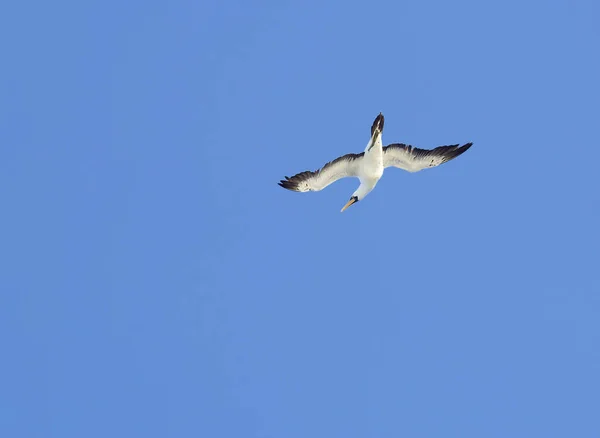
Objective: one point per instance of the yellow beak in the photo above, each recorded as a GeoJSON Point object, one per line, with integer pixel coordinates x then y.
{"type": "Point", "coordinates": [350, 202]}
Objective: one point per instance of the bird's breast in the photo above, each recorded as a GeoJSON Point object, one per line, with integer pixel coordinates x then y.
{"type": "Point", "coordinates": [373, 165]}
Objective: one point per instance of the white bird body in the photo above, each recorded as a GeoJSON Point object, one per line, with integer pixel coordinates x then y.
{"type": "Point", "coordinates": [369, 165]}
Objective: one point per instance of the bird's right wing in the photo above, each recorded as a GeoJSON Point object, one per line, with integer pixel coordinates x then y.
{"type": "Point", "coordinates": [342, 167]}
{"type": "Point", "coordinates": [414, 159]}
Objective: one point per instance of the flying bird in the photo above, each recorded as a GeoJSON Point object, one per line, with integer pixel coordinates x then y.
{"type": "Point", "coordinates": [368, 166]}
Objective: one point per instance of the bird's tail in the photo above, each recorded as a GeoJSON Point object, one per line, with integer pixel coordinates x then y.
{"type": "Point", "coordinates": [378, 123]}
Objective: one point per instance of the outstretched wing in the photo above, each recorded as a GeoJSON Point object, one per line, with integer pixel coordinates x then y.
{"type": "Point", "coordinates": [414, 159]}
{"type": "Point", "coordinates": [342, 167]}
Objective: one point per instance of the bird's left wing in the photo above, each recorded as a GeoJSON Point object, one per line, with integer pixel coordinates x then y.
{"type": "Point", "coordinates": [414, 159]}
{"type": "Point", "coordinates": [342, 167]}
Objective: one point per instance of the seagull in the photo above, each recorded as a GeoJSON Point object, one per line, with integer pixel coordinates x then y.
{"type": "Point", "coordinates": [368, 166]}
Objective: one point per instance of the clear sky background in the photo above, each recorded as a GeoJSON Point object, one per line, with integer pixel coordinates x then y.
{"type": "Point", "coordinates": [157, 282]}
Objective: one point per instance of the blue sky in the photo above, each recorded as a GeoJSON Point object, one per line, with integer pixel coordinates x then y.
{"type": "Point", "coordinates": [158, 282]}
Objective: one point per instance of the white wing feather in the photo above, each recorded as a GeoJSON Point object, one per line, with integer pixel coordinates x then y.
{"type": "Point", "coordinates": [414, 159]}
{"type": "Point", "coordinates": [342, 167]}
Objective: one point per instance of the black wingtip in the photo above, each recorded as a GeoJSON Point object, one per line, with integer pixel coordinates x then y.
{"type": "Point", "coordinates": [458, 151]}
{"type": "Point", "coordinates": [289, 185]}
{"type": "Point", "coordinates": [464, 148]}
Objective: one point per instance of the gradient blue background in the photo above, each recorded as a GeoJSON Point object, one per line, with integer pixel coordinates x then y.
{"type": "Point", "coordinates": [156, 281]}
